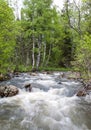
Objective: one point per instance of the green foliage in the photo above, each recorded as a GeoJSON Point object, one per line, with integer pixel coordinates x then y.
{"type": "Point", "coordinates": [46, 36]}
{"type": "Point", "coordinates": [83, 44]}
{"type": "Point", "coordinates": [83, 55]}
{"type": "Point", "coordinates": [54, 69]}
{"type": "Point", "coordinates": [7, 37]}
{"type": "Point", "coordinates": [41, 26]}
{"type": "Point", "coordinates": [22, 68]}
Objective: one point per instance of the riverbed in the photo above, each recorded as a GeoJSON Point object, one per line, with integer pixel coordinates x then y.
{"type": "Point", "coordinates": [51, 105]}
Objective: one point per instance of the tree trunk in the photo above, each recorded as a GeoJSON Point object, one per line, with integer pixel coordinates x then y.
{"type": "Point", "coordinates": [38, 59]}
{"type": "Point", "coordinates": [44, 54]}
{"type": "Point", "coordinates": [33, 55]}
{"type": "Point", "coordinates": [39, 52]}
{"type": "Point", "coordinates": [27, 58]}
{"type": "Point", "coordinates": [47, 61]}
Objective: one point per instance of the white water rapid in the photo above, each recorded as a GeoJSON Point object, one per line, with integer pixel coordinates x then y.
{"type": "Point", "coordinates": [52, 105]}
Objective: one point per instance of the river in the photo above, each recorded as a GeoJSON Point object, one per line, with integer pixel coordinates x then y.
{"type": "Point", "coordinates": [52, 105]}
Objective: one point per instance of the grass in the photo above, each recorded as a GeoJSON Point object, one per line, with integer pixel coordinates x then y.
{"type": "Point", "coordinates": [54, 69]}
{"type": "Point", "coordinates": [22, 68]}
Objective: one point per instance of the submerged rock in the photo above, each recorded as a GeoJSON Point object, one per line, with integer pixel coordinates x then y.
{"type": "Point", "coordinates": [8, 91]}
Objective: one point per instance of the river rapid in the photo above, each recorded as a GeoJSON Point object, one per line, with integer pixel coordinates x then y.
{"type": "Point", "coordinates": [52, 105]}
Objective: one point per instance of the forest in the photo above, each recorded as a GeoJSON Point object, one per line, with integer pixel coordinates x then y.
{"type": "Point", "coordinates": [45, 37]}
{"type": "Point", "coordinates": [45, 65]}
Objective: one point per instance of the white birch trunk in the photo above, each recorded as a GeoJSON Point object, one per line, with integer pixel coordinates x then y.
{"type": "Point", "coordinates": [39, 51]}
{"type": "Point", "coordinates": [44, 54]}
{"type": "Point", "coordinates": [33, 56]}
{"type": "Point", "coordinates": [38, 59]}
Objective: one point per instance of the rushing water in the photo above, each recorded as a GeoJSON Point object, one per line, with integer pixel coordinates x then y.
{"type": "Point", "coordinates": [52, 105]}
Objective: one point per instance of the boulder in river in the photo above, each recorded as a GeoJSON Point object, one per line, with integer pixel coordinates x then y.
{"type": "Point", "coordinates": [8, 91]}
{"type": "Point", "coordinates": [28, 87]}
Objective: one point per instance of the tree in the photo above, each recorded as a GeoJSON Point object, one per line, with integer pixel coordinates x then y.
{"type": "Point", "coordinates": [7, 36]}
{"type": "Point", "coordinates": [83, 56]}
{"type": "Point", "coordinates": [83, 48]}
{"type": "Point", "coordinates": [41, 24]}
{"type": "Point", "coordinates": [68, 30]}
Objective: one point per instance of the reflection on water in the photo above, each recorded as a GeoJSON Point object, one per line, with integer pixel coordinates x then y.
{"type": "Point", "coordinates": [50, 105]}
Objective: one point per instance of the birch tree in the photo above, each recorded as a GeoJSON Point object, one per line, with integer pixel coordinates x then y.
{"type": "Point", "coordinates": [40, 25]}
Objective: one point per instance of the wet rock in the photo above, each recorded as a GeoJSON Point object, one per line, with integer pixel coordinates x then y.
{"type": "Point", "coordinates": [8, 76]}
{"type": "Point", "coordinates": [5, 77]}
{"type": "Point", "coordinates": [28, 87]}
{"type": "Point", "coordinates": [89, 88]}
{"type": "Point", "coordinates": [1, 77]}
{"type": "Point", "coordinates": [34, 70]}
{"type": "Point", "coordinates": [48, 72]}
{"type": "Point", "coordinates": [33, 74]}
{"type": "Point", "coordinates": [44, 72]}
{"type": "Point", "coordinates": [16, 74]}
{"type": "Point", "coordinates": [82, 93]}
{"type": "Point", "coordinates": [8, 91]}
{"type": "Point", "coordinates": [86, 90]}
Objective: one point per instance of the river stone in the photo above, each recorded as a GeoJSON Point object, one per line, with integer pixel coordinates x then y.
{"type": "Point", "coordinates": [33, 74]}
{"type": "Point", "coordinates": [1, 77]}
{"type": "Point", "coordinates": [5, 77]}
{"type": "Point", "coordinates": [8, 91]}
{"type": "Point", "coordinates": [28, 87]}
{"type": "Point", "coordinates": [89, 88]}
{"type": "Point", "coordinates": [81, 93]}
{"type": "Point", "coordinates": [44, 72]}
